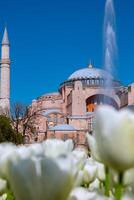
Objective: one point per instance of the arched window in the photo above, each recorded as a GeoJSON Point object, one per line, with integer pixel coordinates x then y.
{"type": "Point", "coordinates": [95, 100]}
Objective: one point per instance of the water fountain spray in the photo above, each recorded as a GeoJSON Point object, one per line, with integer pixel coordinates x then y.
{"type": "Point", "coordinates": [110, 44]}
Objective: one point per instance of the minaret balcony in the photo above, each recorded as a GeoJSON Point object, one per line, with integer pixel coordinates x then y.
{"type": "Point", "coordinates": [5, 61]}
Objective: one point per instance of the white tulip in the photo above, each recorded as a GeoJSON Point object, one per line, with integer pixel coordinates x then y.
{"type": "Point", "coordinates": [83, 194]}
{"type": "Point", "coordinates": [3, 197]}
{"type": "Point", "coordinates": [87, 171]}
{"type": "Point", "coordinates": [39, 171]}
{"type": "Point", "coordinates": [79, 156]}
{"type": "Point", "coordinates": [3, 185]}
{"type": "Point", "coordinates": [128, 180]}
{"type": "Point", "coordinates": [90, 170]}
{"type": "Point", "coordinates": [100, 171]}
{"type": "Point", "coordinates": [36, 149]}
{"type": "Point", "coordinates": [94, 186]}
{"type": "Point", "coordinates": [128, 196]}
{"type": "Point", "coordinates": [114, 134]}
{"type": "Point", "coordinates": [54, 147]}
{"type": "Point", "coordinates": [129, 177]}
{"type": "Point", "coordinates": [7, 151]}
{"type": "Point", "coordinates": [93, 147]}
{"type": "Point", "coordinates": [41, 178]}
{"type": "Point", "coordinates": [79, 179]}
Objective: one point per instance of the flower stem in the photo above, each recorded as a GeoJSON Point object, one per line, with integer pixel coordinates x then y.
{"type": "Point", "coordinates": [119, 187]}
{"type": "Point", "coordinates": [107, 182]}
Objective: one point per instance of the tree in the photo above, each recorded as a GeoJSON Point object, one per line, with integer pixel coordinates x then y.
{"type": "Point", "coordinates": [7, 133]}
{"type": "Point", "coordinates": [17, 115]}
{"type": "Point", "coordinates": [21, 118]}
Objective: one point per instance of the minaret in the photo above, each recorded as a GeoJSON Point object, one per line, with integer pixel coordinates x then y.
{"type": "Point", "coordinates": [5, 74]}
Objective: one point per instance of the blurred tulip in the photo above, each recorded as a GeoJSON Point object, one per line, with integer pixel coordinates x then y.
{"type": "Point", "coordinates": [41, 178]}
{"type": "Point", "coordinates": [79, 156]}
{"type": "Point", "coordinates": [114, 135]}
{"type": "Point", "coordinates": [54, 147]}
{"type": "Point", "coordinates": [39, 171]}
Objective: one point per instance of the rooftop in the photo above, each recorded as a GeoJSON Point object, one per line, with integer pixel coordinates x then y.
{"type": "Point", "coordinates": [63, 127]}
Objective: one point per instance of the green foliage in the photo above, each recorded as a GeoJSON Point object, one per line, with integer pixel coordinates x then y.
{"type": "Point", "coordinates": [10, 196]}
{"type": "Point", "coordinates": [7, 134]}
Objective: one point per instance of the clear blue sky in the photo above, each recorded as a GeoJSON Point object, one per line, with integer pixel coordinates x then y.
{"type": "Point", "coordinates": [50, 39]}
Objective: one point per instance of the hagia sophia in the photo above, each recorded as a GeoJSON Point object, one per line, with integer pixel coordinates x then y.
{"type": "Point", "coordinates": [68, 112]}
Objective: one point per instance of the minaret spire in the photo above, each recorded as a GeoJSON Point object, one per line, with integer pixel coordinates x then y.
{"type": "Point", "coordinates": [5, 75]}
{"type": "Point", "coordinates": [5, 40]}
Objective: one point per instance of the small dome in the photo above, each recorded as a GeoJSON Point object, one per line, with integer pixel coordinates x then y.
{"type": "Point", "coordinates": [90, 72]}
{"type": "Point", "coordinates": [50, 111]}
{"type": "Point", "coordinates": [51, 94]}
{"type": "Point", "coordinates": [63, 127]}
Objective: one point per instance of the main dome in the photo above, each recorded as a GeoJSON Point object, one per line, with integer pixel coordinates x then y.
{"type": "Point", "coordinates": [90, 72]}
